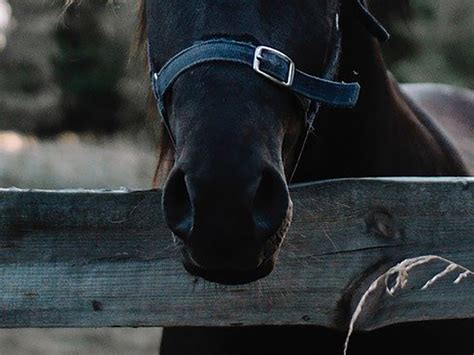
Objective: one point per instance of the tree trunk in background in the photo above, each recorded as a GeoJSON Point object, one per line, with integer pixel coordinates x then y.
{"type": "Point", "coordinates": [87, 68]}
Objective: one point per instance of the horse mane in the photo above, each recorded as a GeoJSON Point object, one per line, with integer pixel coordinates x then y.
{"type": "Point", "coordinates": [165, 145]}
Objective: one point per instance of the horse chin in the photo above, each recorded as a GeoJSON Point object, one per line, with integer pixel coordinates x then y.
{"type": "Point", "coordinates": [239, 277]}
{"type": "Point", "coordinates": [231, 277]}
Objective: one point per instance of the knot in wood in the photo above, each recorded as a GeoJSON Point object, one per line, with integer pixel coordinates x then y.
{"type": "Point", "coordinates": [382, 223]}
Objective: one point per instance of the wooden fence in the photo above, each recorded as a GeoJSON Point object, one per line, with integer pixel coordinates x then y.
{"type": "Point", "coordinates": [106, 258]}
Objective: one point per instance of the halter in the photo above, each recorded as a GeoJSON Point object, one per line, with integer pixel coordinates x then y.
{"type": "Point", "coordinates": [272, 65]}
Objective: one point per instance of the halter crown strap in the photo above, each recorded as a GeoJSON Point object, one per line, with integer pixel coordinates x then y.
{"type": "Point", "coordinates": [266, 61]}
{"type": "Point", "coordinates": [370, 22]}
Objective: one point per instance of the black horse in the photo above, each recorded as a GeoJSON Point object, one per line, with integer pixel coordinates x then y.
{"type": "Point", "coordinates": [232, 142]}
{"type": "Point", "coordinates": [233, 138]}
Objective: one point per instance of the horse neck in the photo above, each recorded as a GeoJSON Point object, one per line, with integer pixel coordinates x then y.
{"type": "Point", "coordinates": [384, 135]}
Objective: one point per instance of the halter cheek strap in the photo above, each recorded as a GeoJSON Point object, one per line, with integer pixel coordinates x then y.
{"type": "Point", "coordinates": [370, 22]}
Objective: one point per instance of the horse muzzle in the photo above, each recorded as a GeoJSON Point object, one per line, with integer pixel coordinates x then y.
{"type": "Point", "coordinates": [231, 230]}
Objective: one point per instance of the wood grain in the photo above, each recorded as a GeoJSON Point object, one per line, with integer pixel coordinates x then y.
{"type": "Point", "coordinates": [104, 258]}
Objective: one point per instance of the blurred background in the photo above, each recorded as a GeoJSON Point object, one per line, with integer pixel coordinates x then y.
{"type": "Point", "coordinates": [72, 103]}
{"type": "Point", "coordinates": [73, 111]}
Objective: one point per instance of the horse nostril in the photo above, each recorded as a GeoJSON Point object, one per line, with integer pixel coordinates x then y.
{"type": "Point", "coordinates": [270, 204]}
{"type": "Point", "coordinates": [177, 205]}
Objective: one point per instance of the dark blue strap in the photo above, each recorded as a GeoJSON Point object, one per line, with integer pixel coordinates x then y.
{"type": "Point", "coordinates": [271, 64]}
{"type": "Point", "coordinates": [371, 23]}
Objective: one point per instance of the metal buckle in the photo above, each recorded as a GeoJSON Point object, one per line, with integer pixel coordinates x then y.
{"type": "Point", "coordinates": [257, 60]}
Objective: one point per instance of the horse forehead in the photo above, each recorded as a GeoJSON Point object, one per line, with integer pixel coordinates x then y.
{"type": "Point", "coordinates": [289, 26]}
{"type": "Point", "coordinates": [222, 17]}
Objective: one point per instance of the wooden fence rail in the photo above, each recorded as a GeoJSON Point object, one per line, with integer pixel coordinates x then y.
{"type": "Point", "coordinates": [100, 258]}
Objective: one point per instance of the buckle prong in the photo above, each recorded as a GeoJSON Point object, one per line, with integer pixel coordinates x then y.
{"type": "Point", "coordinates": [258, 60]}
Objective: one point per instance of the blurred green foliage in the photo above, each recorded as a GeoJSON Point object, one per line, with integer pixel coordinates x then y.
{"type": "Point", "coordinates": [433, 42]}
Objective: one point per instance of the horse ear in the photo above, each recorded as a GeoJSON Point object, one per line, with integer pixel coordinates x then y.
{"type": "Point", "coordinates": [369, 21]}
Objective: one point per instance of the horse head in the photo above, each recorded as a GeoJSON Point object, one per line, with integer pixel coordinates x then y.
{"type": "Point", "coordinates": [235, 131]}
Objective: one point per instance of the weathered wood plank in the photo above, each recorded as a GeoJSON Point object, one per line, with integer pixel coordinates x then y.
{"type": "Point", "coordinates": [77, 259]}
